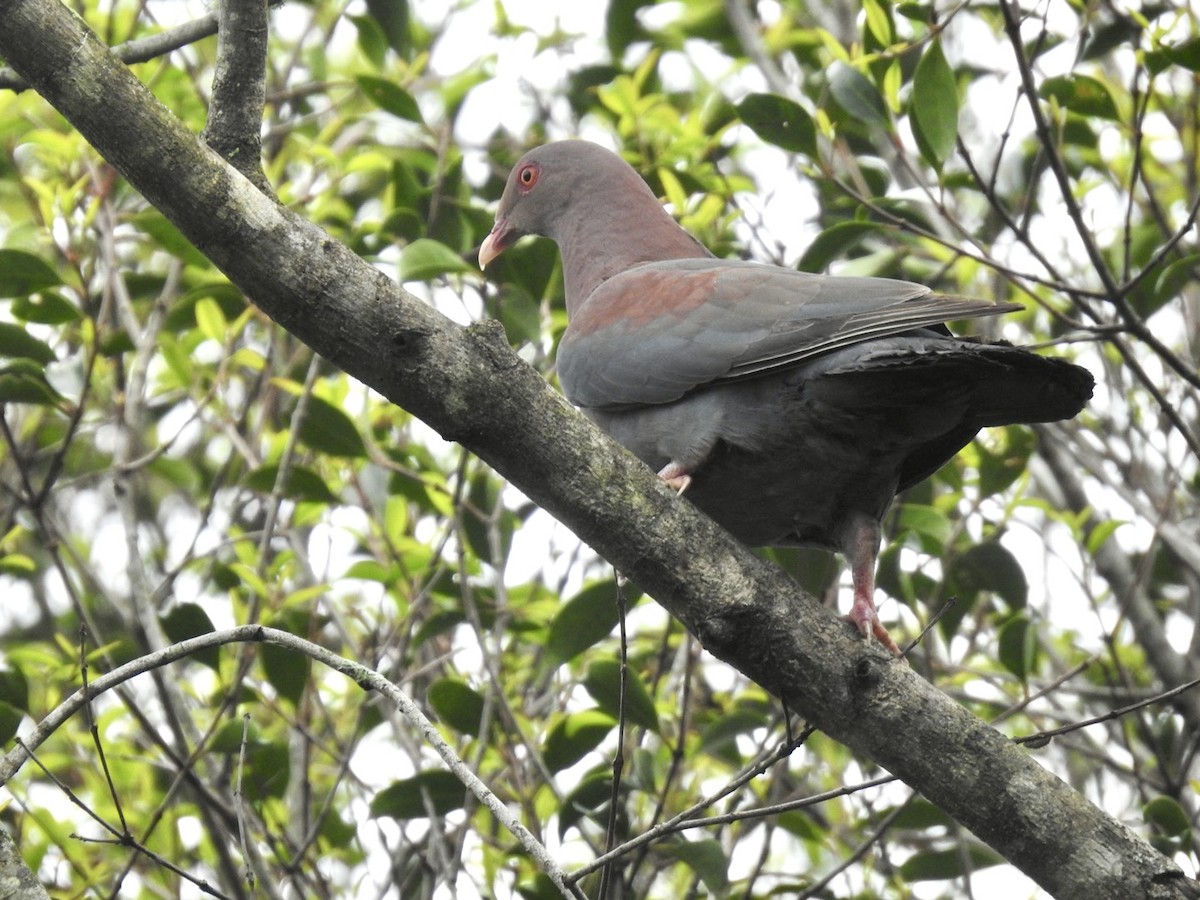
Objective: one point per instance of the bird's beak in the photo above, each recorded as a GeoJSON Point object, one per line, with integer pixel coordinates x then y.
{"type": "Point", "coordinates": [495, 243]}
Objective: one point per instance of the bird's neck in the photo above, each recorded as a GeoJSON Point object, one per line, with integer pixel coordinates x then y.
{"type": "Point", "coordinates": [606, 244]}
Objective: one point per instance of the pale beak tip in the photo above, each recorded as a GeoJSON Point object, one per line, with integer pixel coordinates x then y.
{"type": "Point", "coordinates": [489, 249]}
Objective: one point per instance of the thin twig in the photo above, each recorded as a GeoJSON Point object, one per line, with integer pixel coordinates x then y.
{"type": "Point", "coordinates": [139, 50]}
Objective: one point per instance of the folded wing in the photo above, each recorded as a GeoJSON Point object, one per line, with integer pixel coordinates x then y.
{"type": "Point", "coordinates": [657, 331]}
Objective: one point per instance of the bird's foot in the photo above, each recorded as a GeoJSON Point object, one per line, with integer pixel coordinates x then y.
{"type": "Point", "coordinates": [864, 617]}
{"type": "Point", "coordinates": [862, 549]}
{"type": "Point", "coordinates": [676, 476]}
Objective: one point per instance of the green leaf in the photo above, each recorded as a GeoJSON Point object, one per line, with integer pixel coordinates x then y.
{"type": "Point", "coordinates": [584, 620]}
{"type": "Point", "coordinates": [989, 566]}
{"type": "Point", "coordinates": [267, 763]}
{"type": "Point", "coordinates": [934, 107]}
{"type": "Point", "coordinates": [16, 342]}
{"type": "Point", "coordinates": [210, 320]}
{"type": "Point", "coordinates": [22, 274]}
{"type": "Point", "coordinates": [1000, 468]}
{"type": "Point", "coordinates": [917, 12]}
{"type": "Point", "coordinates": [224, 577]}
{"type": "Point", "coordinates": [180, 473]}
{"type": "Point", "coordinates": [268, 770]}
{"type": "Point", "coordinates": [230, 736]}
{"type": "Point", "coordinates": [1169, 285]}
{"type": "Point", "coordinates": [575, 737]}
{"type": "Point", "coordinates": [929, 524]}
{"type": "Point", "coordinates": [1104, 34]}
{"type": "Point", "coordinates": [456, 88]}
{"type": "Point", "coordinates": [393, 19]}
{"type": "Point", "coordinates": [24, 381]}
{"type": "Point", "coordinates": [1186, 55]}
{"type": "Point", "coordinates": [1018, 647]}
{"type": "Point", "coordinates": [46, 308]}
{"type": "Point", "coordinates": [706, 859]}
{"type": "Point", "coordinates": [1101, 533]}
{"type": "Point", "coordinates": [189, 620]}
{"type": "Point", "coordinates": [779, 121]}
{"type": "Point", "coordinates": [487, 524]}
{"type": "Point", "coordinates": [371, 570]}
{"type": "Point", "coordinates": [390, 97]}
{"type": "Point", "coordinates": [327, 429]}
{"type": "Point", "coordinates": [14, 689]}
{"type": "Point", "coordinates": [286, 669]}
{"type": "Point", "coordinates": [437, 624]}
{"type": "Point", "coordinates": [832, 243]}
{"type": "Point", "coordinates": [425, 259]}
{"type": "Point", "coordinates": [591, 797]}
{"type": "Point", "coordinates": [1080, 94]}
{"type": "Point", "coordinates": [457, 704]}
{"type": "Point", "coordinates": [10, 721]}
{"type": "Point", "coordinates": [248, 579]}
{"type": "Point", "coordinates": [336, 831]}
{"type": "Point", "coordinates": [603, 682]}
{"type": "Point", "coordinates": [302, 484]}
{"type": "Point", "coordinates": [621, 25]}
{"type": "Point", "coordinates": [170, 238]}
{"type": "Point", "coordinates": [878, 21]}
{"type": "Point", "coordinates": [719, 737]}
{"type": "Point", "coordinates": [371, 40]}
{"type": "Point", "coordinates": [1166, 816]}
{"type": "Point", "coordinates": [19, 565]}
{"type": "Point", "coordinates": [407, 799]}
{"type": "Point", "coordinates": [183, 316]}
{"type": "Point", "coordinates": [953, 863]}
{"type": "Point", "coordinates": [518, 312]}
{"type": "Point", "coordinates": [538, 887]}
{"type": "Point", "coordinates": [907, 586]}
{"type": "Point", "coordinates": [534, 265]}
{"type": "Point", "coordinates": [921, 815]}
{"type": "Point", "coordinates": [855, 93]}
{"type": "Point", "coordinates": [114, 343]}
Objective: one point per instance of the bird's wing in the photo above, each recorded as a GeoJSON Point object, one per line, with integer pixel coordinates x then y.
{"type": "Point", "coordinates": [659, 330]}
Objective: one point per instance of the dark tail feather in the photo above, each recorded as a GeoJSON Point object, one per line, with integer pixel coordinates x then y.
{"type": "Point", "coordinates": [948, 389]}
{"type": "Point", "coordinates": [1029, 388]}
{"type": "Point", "coordinates": [1018, 387]}
{"type": "Point", "coordinates": [987, 383]}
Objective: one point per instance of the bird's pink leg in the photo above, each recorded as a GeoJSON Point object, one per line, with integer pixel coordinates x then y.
{"type": "Point", "coordinates": [861, 553]}
{"type": "Point", "coordinates": [676, 476]}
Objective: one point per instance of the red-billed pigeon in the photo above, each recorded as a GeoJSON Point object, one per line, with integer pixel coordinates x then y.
{"type": "Point", "coordinates": [790, 407]}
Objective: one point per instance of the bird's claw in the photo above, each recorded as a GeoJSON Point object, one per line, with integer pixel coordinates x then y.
{"type": "Point", "coordinates": [864, 617]}
{"type": "Point", "coordinates": [676, 477]}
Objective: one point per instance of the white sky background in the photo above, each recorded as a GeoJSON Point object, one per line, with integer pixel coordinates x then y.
{"type": "Point", "coordinates": [784, 213]}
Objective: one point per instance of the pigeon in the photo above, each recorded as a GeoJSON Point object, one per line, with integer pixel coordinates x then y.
{"type": "Point", "coordinates": [791, 407]}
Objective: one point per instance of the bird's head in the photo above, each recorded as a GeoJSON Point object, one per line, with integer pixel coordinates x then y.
{"type": "Point", "coordinates": [539, 188]}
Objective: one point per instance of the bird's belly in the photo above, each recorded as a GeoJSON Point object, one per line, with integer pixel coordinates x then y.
{"type": "Point", "coordinates": [768, 464]}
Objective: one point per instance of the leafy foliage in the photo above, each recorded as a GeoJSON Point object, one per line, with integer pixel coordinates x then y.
{"type": "Point", "coordinates": [173, 462]}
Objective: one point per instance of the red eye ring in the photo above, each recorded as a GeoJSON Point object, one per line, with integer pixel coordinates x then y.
{"type": "Point", "coordinates": [528, 175]}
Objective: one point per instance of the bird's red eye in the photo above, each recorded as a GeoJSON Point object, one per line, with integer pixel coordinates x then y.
{"type": "Point", "coordinates": [528, 176]}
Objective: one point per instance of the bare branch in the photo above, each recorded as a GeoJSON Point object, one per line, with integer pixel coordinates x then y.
{"type": "Point", "coordinates": [235, 113]}
{"type": "Point", "coordinates": [139, 50]}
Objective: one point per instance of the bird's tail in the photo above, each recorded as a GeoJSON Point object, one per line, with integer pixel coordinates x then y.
{"type": "Point", "coordinates": [1028, 388]}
